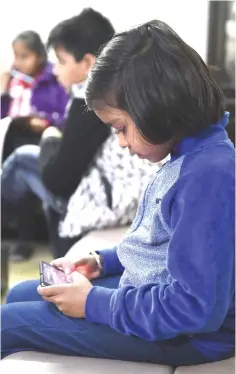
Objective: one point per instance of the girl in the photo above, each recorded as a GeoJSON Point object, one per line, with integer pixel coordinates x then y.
{"type": "Point", "coordinates": [175, 300]}
{"type": "Point", "coordinates": [31, 95]}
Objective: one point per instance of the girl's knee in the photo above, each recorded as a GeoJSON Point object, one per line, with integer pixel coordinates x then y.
{"type": "Point", "coordinates": [24, 291]}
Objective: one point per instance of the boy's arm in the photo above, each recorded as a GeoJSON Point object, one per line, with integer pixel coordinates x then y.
{"type": "Point", "coordinates": [83, 135]}
{"type": "Point", "coordinates": [57, 118]}
{"type": "Point", "coordinates": [200, 261]}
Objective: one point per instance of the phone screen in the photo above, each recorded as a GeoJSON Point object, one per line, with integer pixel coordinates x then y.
{"type": "Point", "coordinates": [49, 275]}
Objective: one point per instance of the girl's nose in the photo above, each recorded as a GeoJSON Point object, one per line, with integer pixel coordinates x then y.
{"type": "Point", "coordinates": [122, 140]}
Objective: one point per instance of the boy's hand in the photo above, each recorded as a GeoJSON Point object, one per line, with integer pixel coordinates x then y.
{"type": "Point", "coordinates": [87, 266]}
{"type": "Point", "coordinates": [69, 298]}
{"type": "Point", "coordinates": [51, 132]}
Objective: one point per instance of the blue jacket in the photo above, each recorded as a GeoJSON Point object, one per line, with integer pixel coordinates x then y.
{"type": "Point", "coordinates": [177, 259]}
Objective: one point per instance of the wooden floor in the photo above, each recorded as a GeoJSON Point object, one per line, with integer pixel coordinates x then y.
{"type": "Point", "coordinates": [27, 270]}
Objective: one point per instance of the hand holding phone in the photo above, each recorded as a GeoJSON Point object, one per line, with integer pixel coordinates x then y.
{"type": "Point", "coordinates": [50, 275]}
{"type": "Point", "coordinates": [70, 297]}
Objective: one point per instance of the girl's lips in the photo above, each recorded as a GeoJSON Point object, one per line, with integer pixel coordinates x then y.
{"type": "Point", "coordinates": [137, 154]}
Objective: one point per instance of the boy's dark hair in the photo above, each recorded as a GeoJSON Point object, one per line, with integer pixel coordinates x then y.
{"type": "Point", "coordinates": [85, 33]}
{"type": "Point", "coordinates": [160, 81]}
{"type": "Point", "coordinates": [33, 43]}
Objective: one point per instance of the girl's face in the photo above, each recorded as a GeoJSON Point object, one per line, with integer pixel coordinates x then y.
{"type": "Point", "coordinates": [130, 138]}
{"type": "Point", "coordinates": [25, 60]}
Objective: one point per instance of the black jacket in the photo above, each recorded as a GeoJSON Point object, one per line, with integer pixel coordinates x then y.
{"type": "Point", "coordinates": [64, 161]}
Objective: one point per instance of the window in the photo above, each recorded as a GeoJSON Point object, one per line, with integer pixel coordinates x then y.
{"type": "Point", "coordinates": [221, 52]}
{"type": "Point", "coordinates": [221, 42]}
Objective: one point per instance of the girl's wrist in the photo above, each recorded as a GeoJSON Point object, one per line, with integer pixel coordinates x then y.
{"type": "Point", "coordinates": [99, 261]}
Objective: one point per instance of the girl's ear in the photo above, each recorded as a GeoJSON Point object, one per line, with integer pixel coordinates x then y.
{"type": "Point", "coordinates": [89, 61]}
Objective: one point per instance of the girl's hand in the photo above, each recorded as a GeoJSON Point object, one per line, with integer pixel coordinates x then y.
{"type": "Point", "coordinates": [5, 80]}
{"type": "Point", "coordinates": [64, 264]}
{"type": "Point", "coordinates": [69, 298]}
{"type": "Point", "coordinates": [87, 266]}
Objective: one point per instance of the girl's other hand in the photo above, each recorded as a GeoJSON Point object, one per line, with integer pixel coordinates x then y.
{"type": "Point", "coordinates": [87, 266]}
{"type": "Point", "coordinates": [5, 81]}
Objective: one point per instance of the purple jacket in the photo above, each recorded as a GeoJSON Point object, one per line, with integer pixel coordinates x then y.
{"type": "Point", "coordinates": [48, 98]}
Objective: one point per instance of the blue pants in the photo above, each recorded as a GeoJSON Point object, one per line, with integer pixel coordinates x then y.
{"type": "Point", "coordinates": [29, 323]}
{"type": "Point", "coordinates": [21, 175]}
{"type": "Point", "coordinates": [21, 178]}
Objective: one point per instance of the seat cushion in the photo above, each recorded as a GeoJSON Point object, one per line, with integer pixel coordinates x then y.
{"type": "Point", "coordinates": [221, 367]}
{"type": "Point", "coordinates": [96, 240]}
{"type": "Point", "coordinates": [39, 363]}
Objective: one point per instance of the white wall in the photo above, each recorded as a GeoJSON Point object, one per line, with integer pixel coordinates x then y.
{"type": "Point", "coordinates": [188, 18]}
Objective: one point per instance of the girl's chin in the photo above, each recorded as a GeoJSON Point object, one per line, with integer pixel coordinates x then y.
{"type": "Point", "coordinates": [153, 160]}
{"type": "Point", "coordinates": [141, 156]}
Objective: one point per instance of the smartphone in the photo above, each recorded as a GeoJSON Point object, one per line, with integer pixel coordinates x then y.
{"type": "Point", "coordinates": [50, 275]}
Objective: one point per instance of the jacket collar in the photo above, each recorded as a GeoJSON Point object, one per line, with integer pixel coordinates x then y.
{"type": "Point", "coordinates": [46, 74]}
{"type": "Point", "coordinates": [215, 132]}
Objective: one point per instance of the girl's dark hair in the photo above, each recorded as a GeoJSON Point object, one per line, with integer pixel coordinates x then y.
{"type": "Point", "coordinates": [33, 43]}
{"type": "Point", "coordinates": [159, 80]}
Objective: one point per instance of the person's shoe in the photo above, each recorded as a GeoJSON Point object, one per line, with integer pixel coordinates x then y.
{"type": "Point", "coordinates": [22, 252]}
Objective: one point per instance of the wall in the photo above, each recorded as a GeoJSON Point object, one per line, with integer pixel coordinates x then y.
{"type": "Point", "coordinates": [188, 18]}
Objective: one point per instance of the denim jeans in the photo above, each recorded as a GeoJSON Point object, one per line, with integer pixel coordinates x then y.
{"type": "Point", "coordinates": [20, 179]}
{"type": "Point", "coordinates": [29, 323]}
{"type": "Point", "coordinates": [21, 175]}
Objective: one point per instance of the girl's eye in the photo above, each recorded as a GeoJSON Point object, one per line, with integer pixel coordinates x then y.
{"type": "Point", "coordinates": [120, 130]}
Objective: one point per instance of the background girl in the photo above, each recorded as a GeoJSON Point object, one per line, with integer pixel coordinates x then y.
{"type": "Point", "coordinates": [31, 95]}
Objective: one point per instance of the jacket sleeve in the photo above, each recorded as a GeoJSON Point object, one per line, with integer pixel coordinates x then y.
{"type": "Point", "coordinates": [112, 265]}
{"type": "Point", "coordinates": [83, 136]}
{"type": "Point", "coordinates": [57, 117]}
{"type": "Point", "coordinates": [200, 261]}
